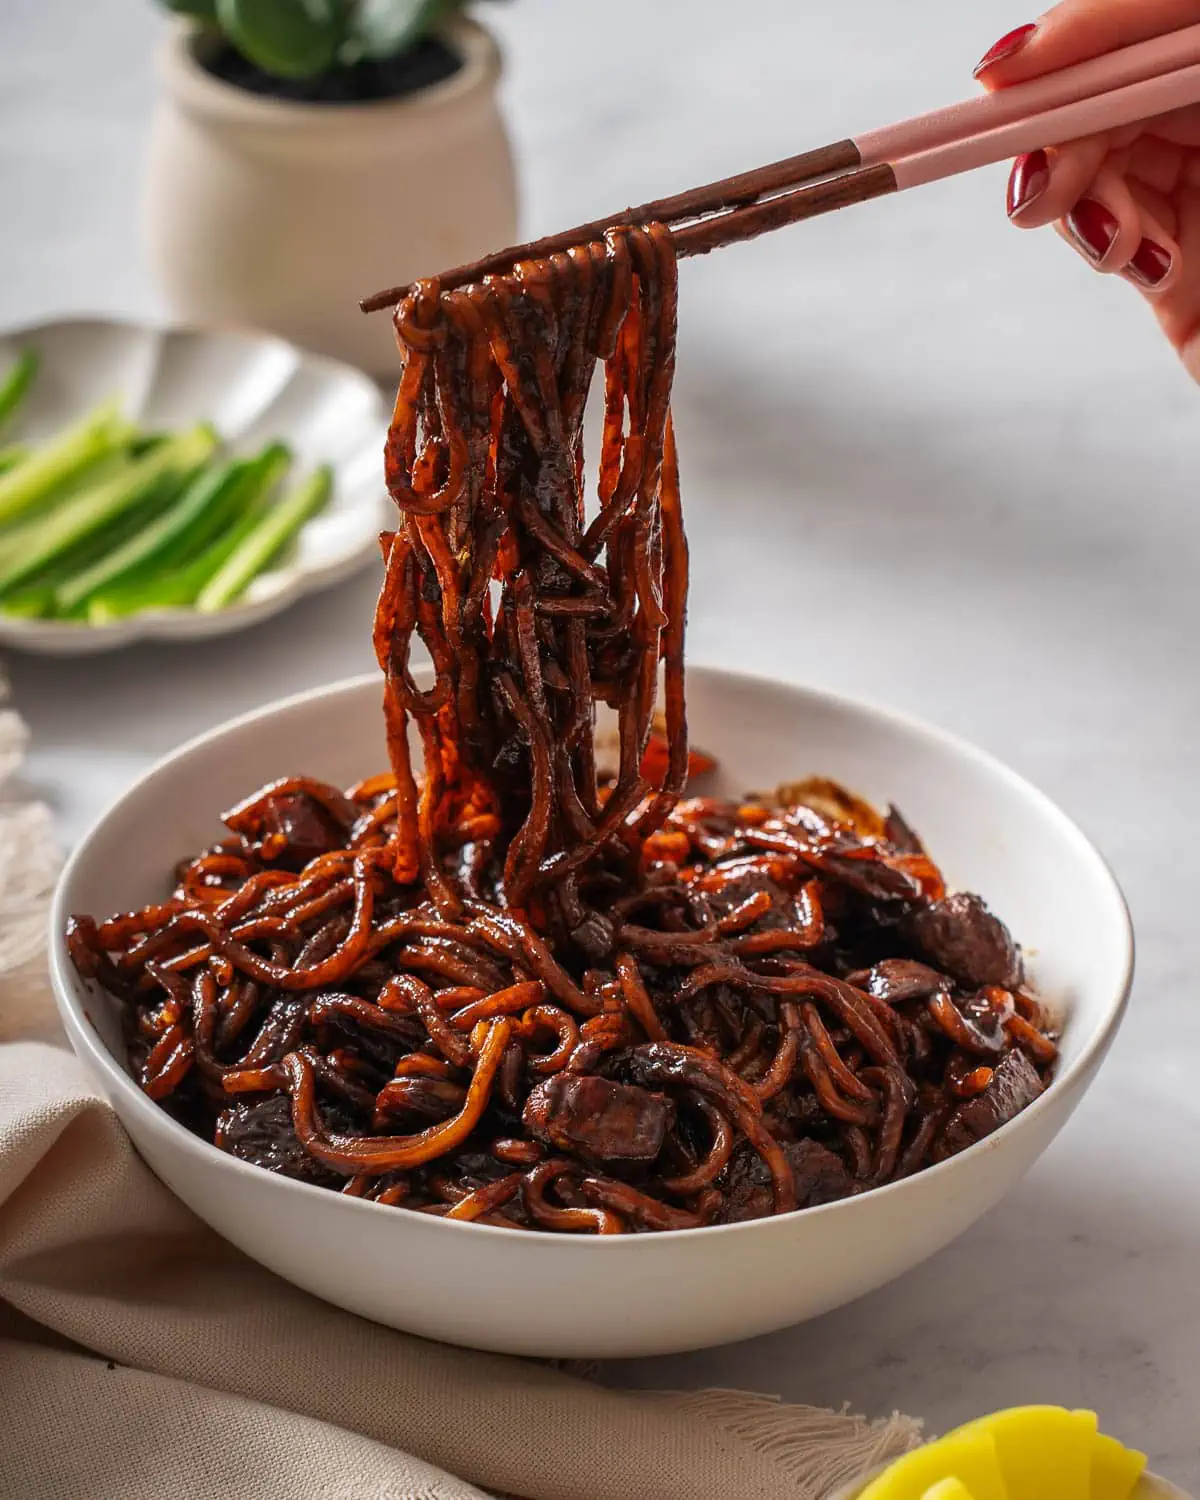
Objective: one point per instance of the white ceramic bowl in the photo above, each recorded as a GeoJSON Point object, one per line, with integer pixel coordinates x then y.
{"type": "Point", "coordinates": [253, 389]}
{"type": "Point", "coordinates": [644, 1294]}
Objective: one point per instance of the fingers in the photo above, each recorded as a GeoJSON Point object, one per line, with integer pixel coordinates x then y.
{"type": "Point", "coordinates": [1156, 265]}
{"type": "Point", "coordinates": [1115, 198]}
{"type": "Point", "coordinates": [1118, 225]}
{"type": "Point", "coordinates": [1177, 305]}
{"type": "Point", "coordinates": [1043, 185]}
{"type": "Point", "coordinates": [1114, 233]}
{"type": "Point", "coordinates": [1156, 209]}
{"type": "Point", "coordinates": [1076, 31]}
{"type": "Point", "coordinates": [1105, 226]}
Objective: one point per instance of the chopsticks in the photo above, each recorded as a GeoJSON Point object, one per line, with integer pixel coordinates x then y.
{"type": "Point", "coordinates": [1136, 83]}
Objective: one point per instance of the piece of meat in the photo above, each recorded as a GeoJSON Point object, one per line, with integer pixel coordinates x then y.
{"type": "Point", "coordinates": [597, 1118]}
{"type": "Point", "coordinates": [1015, 1084]}
{"type": "Point", "coordinates": [281, 1031]}
{"type": "Point", "coordinates": [594, 937]}
{"type": "Point", "coordinates": [820, 1176]}
{"type": "Point", "coordinates": [865, 869]}
{"type": "Point", "coordinates": [262, 1133]}
{"type": "Point", "coordinates": [746, 1184]}
{"type": "Point", "coordinates": [734, 892]}
{"type": "Point", "coordinates": [900, 834]}
{"type": "Point", "coordinates": [961, 936]}
{"type": "Point", "coordinates": [985, 1019]}
{"type": "Point", "coordinates": [429, 1098]}
{"type": "Point", "coordinates": [897, 979]}
{"type": "Point", "coordinates": [291, 830]}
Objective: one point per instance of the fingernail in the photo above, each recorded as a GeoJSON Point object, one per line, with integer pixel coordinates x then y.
{"type": "Point", "coordinates": [1005, 47]}
{"type": "Point", "coordinates": [1150, 264]}
{"type": "Point", "coordinates": [1028, 180]}
{"type": "Point", "coordinates": [1093, 228]}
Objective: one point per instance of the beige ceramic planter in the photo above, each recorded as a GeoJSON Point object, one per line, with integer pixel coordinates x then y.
{"type": "Point", "coordinates": [268, 214]}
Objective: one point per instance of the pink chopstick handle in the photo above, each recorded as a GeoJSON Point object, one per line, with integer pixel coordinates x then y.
{"type": "Point", "coordinates": [1125, 106]}
{"type": "Point", "coordinates": [1115, 70]}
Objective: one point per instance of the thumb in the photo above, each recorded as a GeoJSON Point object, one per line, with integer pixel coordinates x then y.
{"type": "Point", "coordinates": [1076, 31]}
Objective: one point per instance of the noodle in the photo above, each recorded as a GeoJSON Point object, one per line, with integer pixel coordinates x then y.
{"type": "Point", "coordinates": [518, 988]}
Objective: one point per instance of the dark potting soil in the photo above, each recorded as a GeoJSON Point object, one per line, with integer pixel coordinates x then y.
{"type": "Point", "coordinates": [429, 62]}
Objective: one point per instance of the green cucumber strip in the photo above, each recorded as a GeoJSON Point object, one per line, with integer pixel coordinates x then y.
{"type": "Point", "coordinates": [178, 588]}
{"type": "Point", "coordinates": [179, 523]}
{"type": "Point", "coordinates": [16, 381]}
{"type": "Point", "coordinates": [277, 527]}
{"type": "Point", "coordinates": [36, 480]}
{"type": "Point", "coordinates": [30, 604]}
{"type": "Point", "coordinates": [101, 558]}
{"type": "Point", "coordinates": [21, 534]}
{"type": "Point", "coordinates": [258, 478]}
{"type": "Point", "coordinates": [97, 506]}
{"type": "Point", "coordinates": [174, 590]}
{"type": "Point", "coordinates": [88, 551]}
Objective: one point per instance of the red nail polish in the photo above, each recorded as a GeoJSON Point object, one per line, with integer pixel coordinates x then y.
{"type": "Point", "coordinates": [1093, 228]}
{"type": "Point", "coordinates": [1005, 47]}
{"type": "Point", "coordinates": [1150, 264]}
{"type": "Point", "coordinates": [1029, 179]}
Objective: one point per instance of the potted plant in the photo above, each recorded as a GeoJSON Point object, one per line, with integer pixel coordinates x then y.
{"type": "Point", "coordinates": [307, 152]}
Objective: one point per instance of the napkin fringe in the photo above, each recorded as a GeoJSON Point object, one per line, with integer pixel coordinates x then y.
{"type": "Point", "coordinates": [818, 1449]}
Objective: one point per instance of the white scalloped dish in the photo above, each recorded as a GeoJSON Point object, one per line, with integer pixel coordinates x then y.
{"type": "Point", "coordinates": [253, 389]}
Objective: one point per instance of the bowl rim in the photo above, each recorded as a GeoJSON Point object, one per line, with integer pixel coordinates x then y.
{"type": "Point", "coordinates": [86, 1040]}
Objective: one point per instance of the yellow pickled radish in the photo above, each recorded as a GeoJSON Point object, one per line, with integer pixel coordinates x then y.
{"type": "Point", "coordinates": [1044, 1452]}
{"type": "Point", "coordinates": [948, 1489]}
{"type": "Point", "coordinates": [1115, 1468]}
{"type": "Point", "coordinates": [968, 1457]}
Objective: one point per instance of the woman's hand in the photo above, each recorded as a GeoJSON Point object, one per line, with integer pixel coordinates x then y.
{"type": "Point", "coordinates": [1128, 200]}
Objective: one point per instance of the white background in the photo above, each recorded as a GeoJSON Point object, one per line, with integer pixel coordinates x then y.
{"type": "Point", "coordinates": [926, 459]}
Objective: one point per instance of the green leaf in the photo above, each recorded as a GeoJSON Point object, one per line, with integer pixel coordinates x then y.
{"type": "Point", "coordinates": [290, 38]}
{"type": "Point", "coordinates": [199, 10]}
{"type": "Point", "coordinates": [385, 28]}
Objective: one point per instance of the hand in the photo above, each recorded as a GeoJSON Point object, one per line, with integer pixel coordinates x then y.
{"type": "Point", "coordinates": [1128, 200]}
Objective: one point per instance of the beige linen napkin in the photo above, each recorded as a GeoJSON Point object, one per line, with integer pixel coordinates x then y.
{"type": "Point", "coordinates": [141, 1357]}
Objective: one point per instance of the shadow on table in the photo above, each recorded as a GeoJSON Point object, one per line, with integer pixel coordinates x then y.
{"type": "Point", "coordinates": [152, 696]}
{"type": "Point", "coordinates": [1077, 1291]}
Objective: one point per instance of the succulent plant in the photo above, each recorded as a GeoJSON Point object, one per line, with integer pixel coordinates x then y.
{"type": "Point", "coordinates": [304, 38]}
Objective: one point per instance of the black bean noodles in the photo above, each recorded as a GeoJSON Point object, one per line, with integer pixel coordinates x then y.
{"type": "Point", "coordinates": [516, 985]}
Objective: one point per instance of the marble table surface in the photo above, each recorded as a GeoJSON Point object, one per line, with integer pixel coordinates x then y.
{"type": "Point", "coordinates": [926, 459]}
